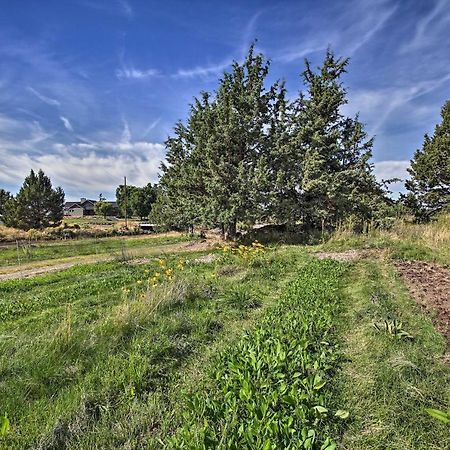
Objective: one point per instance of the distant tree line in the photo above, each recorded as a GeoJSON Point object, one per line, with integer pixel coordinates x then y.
{"type": "Point", "coordinates": [138, 201]}
{"type": "Point", "coordinates": [247, 153]}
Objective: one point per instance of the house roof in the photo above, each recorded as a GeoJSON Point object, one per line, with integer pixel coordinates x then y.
{"type": "Point", "coordinates": [88, 201]}
{"type": "Point", "coordinates": [72, 205]}
{"type": "Point", "coordinates": [83, 203]}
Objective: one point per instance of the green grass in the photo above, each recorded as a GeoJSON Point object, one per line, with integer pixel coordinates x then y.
{"type": "Point", "coordinates": [83, 247]}
{"type": "Point", "coordinates": [88, 365]}
{"type": "Point", "coordinates": [405, 241]}
{"type": "Point", "coordinates": [269, 391]}
{"type": "Point", "coordinates": [94, 357]}
{"type": "Point", "coordinates": [389, 380]}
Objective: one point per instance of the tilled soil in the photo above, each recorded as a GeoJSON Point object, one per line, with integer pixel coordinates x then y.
{"type": "Point", "coordinates": [429, 285]}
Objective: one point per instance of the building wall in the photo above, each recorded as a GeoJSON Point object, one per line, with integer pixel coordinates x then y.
{"type": "Point", "coordinates": [74, 212]}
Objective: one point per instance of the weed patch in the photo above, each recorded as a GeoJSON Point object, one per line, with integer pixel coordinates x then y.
{"type": "Point", "coordinates": [270, 390]}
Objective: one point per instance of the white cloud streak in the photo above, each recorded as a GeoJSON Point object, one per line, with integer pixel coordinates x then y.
{"type": "Point", "coordinates": [135, 74]}
{"type": "Point", "coordinates": [44, 98]}
{"type": "Point", "coordinates": [66, 123]}
{"type": "Point", "coordinates": [433, 22]}
{"type": "Point", "coordinates": [202, 71]}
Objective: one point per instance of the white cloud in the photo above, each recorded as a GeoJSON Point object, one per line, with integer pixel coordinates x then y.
{"type": "Point", "coordinates": [428, 27]}
{"type": "Point", "coordinates": [372, 23]}
{"type": "Point", "coordinates": [377, 105]}
{"type": "Point", "coordinates": [385, 170]}
{"type": "Point", "coordinates": [45, 99]}
{"type": "Point", "coordinates": [202, 71]}
{"type": "Point", "coordinates": [136, 74]}
{"type": "Point", "coordinates": [82, 171]}
{"type": "Point", "coordinates": [66, 123]}
{"type": "Point", "coordinates": [290, 55]}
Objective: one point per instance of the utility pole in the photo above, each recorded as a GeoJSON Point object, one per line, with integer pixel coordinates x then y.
{"type": "Point", "coordinates": [126, 201]}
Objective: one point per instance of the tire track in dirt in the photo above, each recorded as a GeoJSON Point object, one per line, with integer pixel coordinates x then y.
{"type": "Point", "coordinates": [50, 266]}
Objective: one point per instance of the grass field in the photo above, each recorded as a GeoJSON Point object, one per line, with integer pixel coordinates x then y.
{"type": "Point", "coordinates": [249, 348]}
{"type": "Point", "coordinates": [12, 255]}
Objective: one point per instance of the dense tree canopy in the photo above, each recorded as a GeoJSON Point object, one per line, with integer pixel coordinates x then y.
{"type": "Point", "coordinates": [430, 171]}
{"type": "Point", "coordinates": [246, 153]}
{"type": "Point", "coordinates": [139, 202]}
{"type": "Point", "coordinates": [37, 205]}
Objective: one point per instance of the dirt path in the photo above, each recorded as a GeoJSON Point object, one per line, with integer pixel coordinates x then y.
{"type": "Point", "coordinates": [429, 285]}
{"type": "Point", "coordinates": [350, 255]}
{"type": "Point", "coordinates": [56, 265]}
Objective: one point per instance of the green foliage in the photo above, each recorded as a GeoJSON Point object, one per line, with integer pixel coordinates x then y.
{"type": "Point", "coordinates": [4, 425]}
{"type": "Point", "coordinates": [217, 161]}
{"type": "Point", "coordinates": [271, 388]}
{"type": "Point", "coordinates": [326, 156]}
{"type": "Point", "coordinates": [248, 154]}
{"type": "Point", "coordinates": [120, 352]}
{"type": "Point", "coordinates": [120, 199]}
{"type": "Point", "coordinates": [5, 198]}
{"type": "Point", "coordinates": [103, 208]}
{"type": "Point", "coordinates": [140, 200]}
{"type": "Point", "coordinates": [430, 171]}
{"type": "Point", "coordinates": [37, 205]}
{"type": "Point", "coordinates": [443, 416]}
{"type": "Point", "coordinates": [394, 328]}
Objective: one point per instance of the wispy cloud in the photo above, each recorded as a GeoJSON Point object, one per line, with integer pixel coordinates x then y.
{"type": "Point", "coordinates": [291, 55]}
{"type": "Point", "coordinates": [151, 127]}
{"type": "Point", "coordinates": [437, 18]}
{"type": "Point", "coordinates": [126, 133]}
{"type": "Point", "coordinates": [126, 8]}
{"type": "Point", "coordinates": [44, 98]}
{"type": "Point", "coordinates": [202, 71]}
{"type": "Point", "coordinates": [118, 7]}
{"type": "Point", "coordinates": [378, 105]}
{"type": "Point", "coordinates": [66, 123]}
{"type": "Point", "coordinates": [373, 24]}
{"type": "Point", "coordinates": [136, 74]}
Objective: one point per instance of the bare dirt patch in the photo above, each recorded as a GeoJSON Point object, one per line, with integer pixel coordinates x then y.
{"type": "Point", "coordinates": [349, 255]}
{"type": "Point", "coordinates": [429, 285]}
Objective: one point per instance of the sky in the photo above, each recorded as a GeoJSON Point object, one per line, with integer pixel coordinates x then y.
{"type": "Point", "coordinates": [90, 89]}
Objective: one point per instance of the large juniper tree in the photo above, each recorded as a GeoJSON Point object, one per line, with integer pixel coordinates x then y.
{"type": "Point", "coordinates": [333, 177]}
{"type": "Point", "coordinates": [430, 170]}
{"type": "Point", "coordinates": [248, 154]}
{"type": "Point", "coordinates": [215, 164]}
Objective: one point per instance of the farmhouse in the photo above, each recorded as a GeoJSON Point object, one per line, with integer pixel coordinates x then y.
{"type": "Point", "coordinates": [86, 207]}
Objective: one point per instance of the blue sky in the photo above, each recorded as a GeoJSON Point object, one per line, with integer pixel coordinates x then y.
{"type": "Point", "coordinates": [90, 89]}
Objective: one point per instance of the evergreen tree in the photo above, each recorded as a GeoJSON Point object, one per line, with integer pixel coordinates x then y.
{"type": "Point", "coordinates": [430, 170]}
{"type": "Point", "coordinates": [5, 198]}
{"type": "Point", "coordinates": [332, 152]}
{"type": "Point", "coordinates": [216, 164]}
{"type": "Point", "coordinates": [182, 196]}
{"type": "Point", "coordinates": [37, 205]}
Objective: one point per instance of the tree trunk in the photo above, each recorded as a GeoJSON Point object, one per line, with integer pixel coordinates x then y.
{"type": "Point", "coordinates": [230, 231]}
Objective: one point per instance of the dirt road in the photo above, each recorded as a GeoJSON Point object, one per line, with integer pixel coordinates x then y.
{"type": "Point", "coordinates": [55, 265]}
